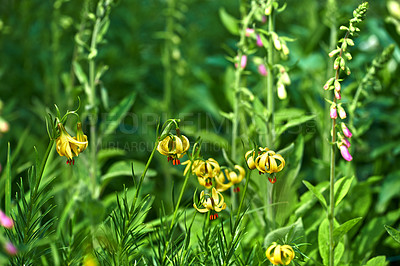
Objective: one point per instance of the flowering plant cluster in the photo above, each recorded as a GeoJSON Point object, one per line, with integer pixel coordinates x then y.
{"type": "Point", "coordinates": [342, 54]}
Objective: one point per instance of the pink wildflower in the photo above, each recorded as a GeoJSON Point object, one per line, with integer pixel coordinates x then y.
{"type": "Point", "coordinates": [259, 41]}
{"type": "Point", "coordinates": [333, 112]}
{"type": "Point", "coordinates": [345, 153]}
{"type": "Point", "coordinates": [346, 131]}
{"type": "Point", "coordinates": [6, 221]}
{"type": "Point", "coordinates": [10, 248]}
{"type": "Point", "coordinates": [249, 32]}
{"type": "Point", "coordinates": [243, 62]}
{"type": "Point", "coordinates": [337, 95]}
{"type": "Point", "coordinates": [346, 142]}
{"type": "Point", "coordinates": [342, 113]}
{"type": "Point", "coordinates": [262, 70]}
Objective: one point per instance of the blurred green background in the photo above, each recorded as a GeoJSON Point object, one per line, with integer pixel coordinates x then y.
{"type": "Point", "coordinates": [37, 47]}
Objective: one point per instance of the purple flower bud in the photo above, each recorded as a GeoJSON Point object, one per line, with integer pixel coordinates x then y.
{"type": "Point", "coordinates": [338, 95]}
{"type": "Point", "coordinates": [345, 153]}
{"type": "Point", "coordinates": [243, 61]}
{"type": "Point", "coordinates": [259, 41]}
{"type": "Point", "coordinates": [10, 248]}
{"type": "Point", "coordinates": [262, 70]}
{"type": "Point", "coordinates": [333, 112]}
{"type": "Point", "coordinates": [6, 221]}
{"type": "Point", "coordinates": [249, 32]}
{"type": "Point", "coordinates": [346, 131]}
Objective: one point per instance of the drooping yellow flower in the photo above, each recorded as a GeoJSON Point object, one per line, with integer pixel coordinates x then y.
{"type": "Point", "coordinates": [250, 157]}
{"type": "Point", "coordinates": [214, 203]}
{"type": "Point", "coordinates": [206, 171]}
{"type": "Point", "coordinates": [81, 138]}
{"type": "Point", "coordinates": [174, 147]}
{"type": "Point", "coordinates": [228, 178]}
{"type": "Point", "coordinates": [267, 162]}
{"type": "Point", "coordinates": [280, 255]}
{"type": "Point", "coordinates": [65, 144]}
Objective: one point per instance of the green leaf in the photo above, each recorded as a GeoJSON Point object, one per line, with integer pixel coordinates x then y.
{"type": "Point", "coordinates": [342, 186]}
{"type": "Point", "coordinates": [395, 234]}
{"type": "Point", "coordinates": [323, 244]}
{"type": "Point", "coordinates": [115, 116]}
{"type": "Point", "coordinates": [294, 122]}
{"type": "Point", "coordinates": [123, 168]}
{"type": "Point", "coordinates": [316, 193]}
{"type": "Point", "coordinates": [377, 261]}
{"type": "Point", "coordinates": [287, 234]}
{"type": "Point", "coordinates": [340, 231]}
{"type": "Point", "coordinates": [229, 21]}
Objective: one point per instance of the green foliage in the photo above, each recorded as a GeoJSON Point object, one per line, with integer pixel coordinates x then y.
{"type": "Point", "coordinates": [135, 64]}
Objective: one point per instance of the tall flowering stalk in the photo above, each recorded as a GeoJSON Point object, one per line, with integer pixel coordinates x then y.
{"type": "Point", "coordinates": [333, 84]}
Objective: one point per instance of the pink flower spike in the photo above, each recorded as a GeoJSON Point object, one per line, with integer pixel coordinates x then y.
{"type": "Point", "coordinates": [262, 70]}
{"type": "Point", "coordinates": [345, 153]}
{"type": "Point", "coordinates": [346, 131]}
{"type": "Point", "coordinates": [337, 95]}
{"type": "Point", "coordinates": [333, 112]}
{"type": "Point", "coordinates": [6, 221]}
{"type": "Point", "coordinates": [249, 32]}
{"type": "Point", "coordinates": [10, 248]}
{"type": "Point", "coordinates": [259, 41]}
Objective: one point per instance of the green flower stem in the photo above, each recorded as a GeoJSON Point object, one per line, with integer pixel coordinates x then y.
{"type": "Point", "coordinates": [143, 175]}
{"type": "Point", "coordinates": [248, 175]}
{"type": "Point", "coordinates": [168, 68]}
{"type": "Point", "coordinates": [93, 106]}
{"type": "Point", "coordinates": [270, 87]}
{"type": "Point", "coordinates": [238, 75]}
{"type": "Point", "coordinates": [331, 215]}
{"type": "Point", "coordinates": [177, 207]}
{"type": "Point", "coordinates": [43, 165]}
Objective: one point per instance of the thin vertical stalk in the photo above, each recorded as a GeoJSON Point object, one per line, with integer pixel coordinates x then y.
{"type": "Point", "coordinates": [236, 85]}
{"type": "Point", "coordinates": [168, 76]}
{"type": "Point", "coordinates": [92, 104]}
{"type": "Point", "coordinates": [248, 174]}
{"type": "Point", "coordinates": [271, 118]}
{"type": "Point", "coordinates": [177, 207]}
{"type": "Point", "coordinates": [332, 194]}
{"type": "Point", "coordinates": [7, 204]}
{"type": "Point", "coordinates": [270, 87]}
{"type": "Point", "coordinates": [331, 215]}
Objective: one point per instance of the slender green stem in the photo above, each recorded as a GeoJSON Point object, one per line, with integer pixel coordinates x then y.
{"type": "Point", "coordinates": [93, 106]}
{"type": "Point", "coordinates": [43, 165]}
{"type": "Point", "coordinates": [332, 194]}
{"type": "Point", "coordinates": [177, 207]}
{"type": "Point", "coordinates": [168, 68]}
{"type": "Point", "coordinates": [143, 175]}
{"type": "Point", "coordinates": [331, 215]}
{"type": "Point", "coordinates": [238, 74]}
{"type": "Point", "coordinates": [7, 204]}
{"type": "Point", "coordinates": [248, 175]}
{"type": "Point", "coordinates": [270, 87]}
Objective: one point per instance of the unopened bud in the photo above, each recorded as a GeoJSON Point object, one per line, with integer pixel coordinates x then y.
{"type": "Point", "coordinates": [281, 91]}
{"type": "Point", "coordinates": [338, 95]}
{"type": "Point", "coordinates": [333, 112]}
{"type": "Point", "coordinates": [346, 131]}
{"type": "Point", "coordinates": [337, 85]}
{"type": "Point", "coordinates": [249, 32]}
{"type": "Point", "coordinates": [342, 63]}
{"type": "Point", "coordinates": [262, 70]}
{"type": "Point", "coordinates": [342, 112]}
{"type": "Point", "coordinates": [336, 63]}
{"type": "Point", "coordinates": [259, 41]}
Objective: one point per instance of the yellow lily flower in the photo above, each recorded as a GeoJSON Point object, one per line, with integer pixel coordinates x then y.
{"type": "Point", "coordinates": [81, 138]}
{"type": "Point", "coordinates": [229, 178]}
{"type": "Point", "coordinates": [214, 203]}
{"type": "Point", "coordinates": [65, 144]}
{"type": "Point", "coordinates": [174, 147]}
{"type": "Point", "coordinates": [266, 162]}
{"type": "Point", "coordinates": [206, 171]}
{"type": "Point", "coordinates": [281, 255]}
{"type": "Point", "coordinates": [249, 157]}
